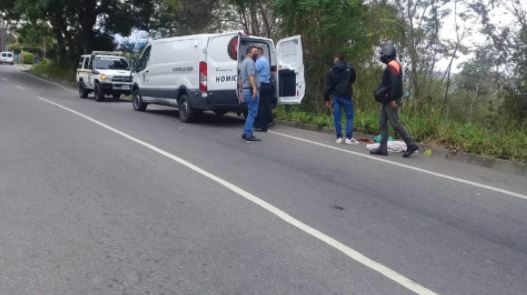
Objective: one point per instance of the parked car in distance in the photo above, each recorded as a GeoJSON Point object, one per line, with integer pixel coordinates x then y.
{"type": "Point", "coordinates": [104, 73]}
{"type": "Point", "coordinates": [200, 72]}
{"type": "Point", "coordinates": [7, 57]}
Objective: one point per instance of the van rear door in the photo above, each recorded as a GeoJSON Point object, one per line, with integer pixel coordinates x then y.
{"type": "Point", "coordinates": [222, 68]}
{"type": "Point", "coordinates": [291, 84]}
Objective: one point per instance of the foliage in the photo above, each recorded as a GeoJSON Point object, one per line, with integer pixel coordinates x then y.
{"type": "Point", "coordinates": [27, 58]}
{"type": "Point", "coordinates": [55, 71]}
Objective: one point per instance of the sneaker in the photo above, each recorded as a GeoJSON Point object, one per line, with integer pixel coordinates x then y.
{"type": "Point", "coordinates": [251, 138]}
{"type": "Point", "coordinates": [243, 136]}
{"type": "Point", "coordinates": [379, 152]}
{"type": "Point", "coordinates": [339, 140]}
{"type": "Point", "coordinates": [351, 141]}
{"type": "Point", "coordinates": [410, 150]}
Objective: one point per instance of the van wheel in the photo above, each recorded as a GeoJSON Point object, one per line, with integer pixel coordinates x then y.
{"type": "Point", "coordinates": [137, 102]}
{"type": "Point", "coordinates": [83, 92]}
{"type": "Point", "coordinates": [186, 112]}
{"type": "Point", "coordinates": [99, 93]}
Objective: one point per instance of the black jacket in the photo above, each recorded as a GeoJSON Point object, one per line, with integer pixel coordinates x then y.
{"type": "Point", "coordinates": [339, 80]}
{"type": "Point", "coordinates": [392, 79]}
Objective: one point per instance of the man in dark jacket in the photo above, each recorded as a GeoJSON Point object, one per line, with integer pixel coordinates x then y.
{"type": "Point", "coordinates": [339, 89]}
{"type": "Point", "coordinates": [392, 84]}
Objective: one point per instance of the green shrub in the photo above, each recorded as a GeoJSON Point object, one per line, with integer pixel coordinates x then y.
{"type": "Point", "coordinates": [51, 70]}
{"type": "Point", "coordinates": [27, 58]}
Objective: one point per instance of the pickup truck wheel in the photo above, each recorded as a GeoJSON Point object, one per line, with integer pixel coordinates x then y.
{"type": "Point", "coordinates": [137, 102]}
{"type": "Point", "coordinates": [186, 112]}
{"type": "Point", "coordinates": [99, 93]}
{"type": "Point", "coordinates": [83, 93]}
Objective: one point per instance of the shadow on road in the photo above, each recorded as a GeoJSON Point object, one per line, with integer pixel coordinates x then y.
{"type": "Point", "coordinates": [207, 119]}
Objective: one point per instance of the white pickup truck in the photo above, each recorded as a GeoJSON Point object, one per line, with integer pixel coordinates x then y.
{"type": "Point", "coordinates": [104, 73]}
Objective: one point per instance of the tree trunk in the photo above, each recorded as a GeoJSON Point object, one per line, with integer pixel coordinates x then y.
{"type": "Point", "coordinates": [58, 28]}
{"type": "Point", "coordinates": [87, 19]}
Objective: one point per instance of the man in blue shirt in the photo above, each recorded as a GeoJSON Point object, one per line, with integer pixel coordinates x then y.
{"type": "Point", "coordinates": [250, 92]}
{"type": "Point", "coordinates": [267, 90]}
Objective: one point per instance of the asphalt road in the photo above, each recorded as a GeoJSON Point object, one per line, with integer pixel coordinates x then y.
{"type": "Point", "coordinates": [98, 199]}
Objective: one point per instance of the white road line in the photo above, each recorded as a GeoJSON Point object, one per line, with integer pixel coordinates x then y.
{"type": "Point", "coordinates": [456, 179]}
{"type": "Point", "coordinates": [351, 253]}
{"type": "Point", "coordinates": [53, 83]}
{"type": "Point", "coordinates": [19, 87]}
{"type": "Point", "coordinates": [4, 79]}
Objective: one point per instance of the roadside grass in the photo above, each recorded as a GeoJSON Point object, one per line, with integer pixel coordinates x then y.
{"type": "Point", "coordinates": [429, 130]}
{"type": "Point", "coordinates": [51, 70]}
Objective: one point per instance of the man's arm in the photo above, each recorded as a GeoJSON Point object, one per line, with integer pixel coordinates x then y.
{"type": "Point", "coordinates": [251, 72]}
{"type": "Point", "coordinates": [252, 82]}
{"type": "Point", "coordinates": [393, 76]}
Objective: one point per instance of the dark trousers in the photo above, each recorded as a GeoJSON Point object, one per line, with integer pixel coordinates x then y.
{"type": "Point", "coordinates": [389, 114]}
{"type": "Point", "coordinates": [265, 113]}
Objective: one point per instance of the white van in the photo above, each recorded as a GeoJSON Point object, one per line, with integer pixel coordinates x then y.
{"type": "Point", "coordinates": [7, 58]}
{"type": "Point", "coordinates": [200, 72]}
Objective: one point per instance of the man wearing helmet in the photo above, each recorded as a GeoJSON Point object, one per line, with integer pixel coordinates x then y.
{"type": "Point", "coordinates": [389, 93]}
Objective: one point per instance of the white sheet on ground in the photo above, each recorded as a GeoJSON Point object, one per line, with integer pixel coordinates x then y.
{"type": "Point", "coordinates": [396, 146]}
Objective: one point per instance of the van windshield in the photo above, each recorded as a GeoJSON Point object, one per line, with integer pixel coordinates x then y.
{"type": "Point", "coordinates": [111, 63]}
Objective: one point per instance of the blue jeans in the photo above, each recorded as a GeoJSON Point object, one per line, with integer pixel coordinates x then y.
{"type": "Point", "coordinates": [346, 104]}
{"type": "Point", "coordinates": [252, 111]}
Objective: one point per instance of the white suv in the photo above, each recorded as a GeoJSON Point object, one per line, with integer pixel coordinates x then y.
{"type": "Point", "coordinates": [104, 73]}
{"type": "Point", "coordinates": [7, 58]}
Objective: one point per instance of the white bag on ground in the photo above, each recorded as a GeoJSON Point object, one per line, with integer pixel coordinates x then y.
{"type": "Point", "coordinates": [396, 146]}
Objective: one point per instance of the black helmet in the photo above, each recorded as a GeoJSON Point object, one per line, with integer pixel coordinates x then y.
{"type": "Point", "coordinates": [388, 52]}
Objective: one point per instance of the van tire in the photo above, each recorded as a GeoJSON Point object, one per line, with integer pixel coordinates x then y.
{"type": "Point", "coordinates": [83, 92]}
{"type": "Point", "coordinates": [99, 93]}
{"type": "Point", "coordinates": [187, 113]}
{"type": "Point", "coordinates": [137, 101]}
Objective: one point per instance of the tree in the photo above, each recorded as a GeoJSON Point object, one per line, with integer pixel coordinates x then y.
{"type": "Point", "coordinates": [420, 41]}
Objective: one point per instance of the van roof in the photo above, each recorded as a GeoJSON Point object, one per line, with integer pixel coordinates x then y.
{"type": "Point", "coordinates": [205, 36]}
{"type": "Point", "coordinates": [198, 36]}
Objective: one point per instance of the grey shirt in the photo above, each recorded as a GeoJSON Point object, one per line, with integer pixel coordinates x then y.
{"type": "Point", "coordinates": [248, 68]}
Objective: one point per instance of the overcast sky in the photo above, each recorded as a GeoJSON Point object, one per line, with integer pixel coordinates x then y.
{"type": "Point", "coordinates": [499, 16]}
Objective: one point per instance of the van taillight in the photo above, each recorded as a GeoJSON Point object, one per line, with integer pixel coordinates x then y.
{"type": "Point", "coordinates": [203, 76]}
